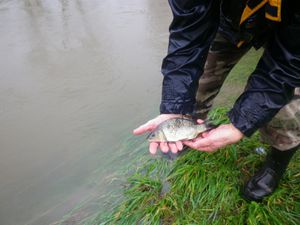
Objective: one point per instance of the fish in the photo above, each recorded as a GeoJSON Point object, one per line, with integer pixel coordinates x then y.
{"type": "Point", "coordinates": [179, 129]}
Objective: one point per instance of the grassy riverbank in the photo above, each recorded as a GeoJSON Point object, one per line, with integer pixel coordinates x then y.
{"type": "Point", "coordinates": [201, 188]}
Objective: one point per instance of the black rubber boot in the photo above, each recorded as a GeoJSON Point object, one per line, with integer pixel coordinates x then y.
{"type": "Point", "coordinates": [266, 180]}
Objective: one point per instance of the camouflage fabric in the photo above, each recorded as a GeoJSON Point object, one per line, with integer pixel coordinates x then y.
{"type": "Point", "coordinates": [221, 58]}
{"type": "Point", "coordinates": [282, 132]}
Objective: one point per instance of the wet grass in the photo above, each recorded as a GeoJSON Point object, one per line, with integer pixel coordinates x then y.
{"type": "Point", "coordinates": [235, 82]}
{"type": "Point", "coordinates": [202, 188]}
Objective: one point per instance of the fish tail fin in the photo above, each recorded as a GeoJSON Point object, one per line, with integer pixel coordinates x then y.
{"type": "Point", "coordinates": [210, 125]}
{"type": "Point", "coordinates": [206, 126]}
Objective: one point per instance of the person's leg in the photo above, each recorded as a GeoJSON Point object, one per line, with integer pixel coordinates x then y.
{"type": "Point", "coordinates": [283, 134]}
{"type": "Point", "coordinates": [283, 131]}
{"type": "Point", "coordinates": [222, 57]}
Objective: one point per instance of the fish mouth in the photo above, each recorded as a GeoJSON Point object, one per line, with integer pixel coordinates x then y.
{"type": "Point", "coordinates": [152, 139]}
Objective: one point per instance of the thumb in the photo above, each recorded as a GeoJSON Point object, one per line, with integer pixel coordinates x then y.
{"type": "Point", "coordinates": [205, 134]}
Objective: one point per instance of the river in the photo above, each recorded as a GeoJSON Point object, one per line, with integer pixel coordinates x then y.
{"type": "Point", "coordinates": [76, 77]}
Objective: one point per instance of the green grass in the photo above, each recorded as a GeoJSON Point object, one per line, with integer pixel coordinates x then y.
{"type": "Point", "coordinates": [203, 188]}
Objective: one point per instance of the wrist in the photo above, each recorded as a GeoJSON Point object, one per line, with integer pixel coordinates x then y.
{"type": "Point", "coordinates": [237, 133]}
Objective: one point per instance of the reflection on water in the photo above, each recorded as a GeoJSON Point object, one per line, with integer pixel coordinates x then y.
{"type": "Point", "coordinates": [76, 77]}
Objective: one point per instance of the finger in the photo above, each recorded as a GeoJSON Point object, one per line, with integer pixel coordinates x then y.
{"type": "Point", "coordinates": [201, 142]}
{"type": "Point", "coordinates": [144, 128]}
{"type": "Point", "coordinates": [191, 144]}
{"type": "Point", "coordinates": [153, 147]}
{"type": "Point", "coordinates": [197, 143]}
{"type": "Point", "coordinates": [200, 121]}
{"type": "Point", "coordinates": [179, 145]}
{"type": "Point", "coordinates": [205, 134]}
{"type": "Point", "coordinates": [173, 147]}
{"type": "Point", "coordinates": [194, 145]}
{"type": "Point", "coordinates": [164, 147]}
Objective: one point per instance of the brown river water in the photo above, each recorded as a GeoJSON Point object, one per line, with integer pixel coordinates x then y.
{"type": "Point", "coordinates": [76, 77]}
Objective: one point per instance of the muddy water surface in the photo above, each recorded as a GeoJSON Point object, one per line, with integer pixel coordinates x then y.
{"type": "Point", "coordinates": [76, 77]}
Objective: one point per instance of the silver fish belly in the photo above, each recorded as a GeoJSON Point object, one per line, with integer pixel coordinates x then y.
{"type": "Point", "coordinates": [177, 129]}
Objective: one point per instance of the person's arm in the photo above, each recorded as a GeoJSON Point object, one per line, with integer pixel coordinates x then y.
{"type": "Point", "coordinates": [193, 27]}
{"type": "Point", "coordinates": [271, 86]}
{"type": "Point", "coordinates": [191, 32]}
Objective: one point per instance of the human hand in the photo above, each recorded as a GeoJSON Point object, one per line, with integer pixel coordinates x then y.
{"type": "Point", "coordinates": [217, 138]}
{"type": "Point", "coordinates": [151, 125]}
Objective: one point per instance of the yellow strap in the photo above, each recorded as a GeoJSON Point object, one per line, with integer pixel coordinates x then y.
{"type": "Point", "coordinates": [277, 4]}
{"type": "Point", "coordinates": [250, 11]}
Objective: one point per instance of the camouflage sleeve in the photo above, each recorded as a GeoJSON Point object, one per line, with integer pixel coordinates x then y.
{"type": "Point", "coordinates": [193, 27]}
{"type": "Point", "coordinates": [272, 84]}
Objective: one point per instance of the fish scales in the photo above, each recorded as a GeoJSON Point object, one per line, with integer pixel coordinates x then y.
{"type": "Point", "coordinates": [177, 129]}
